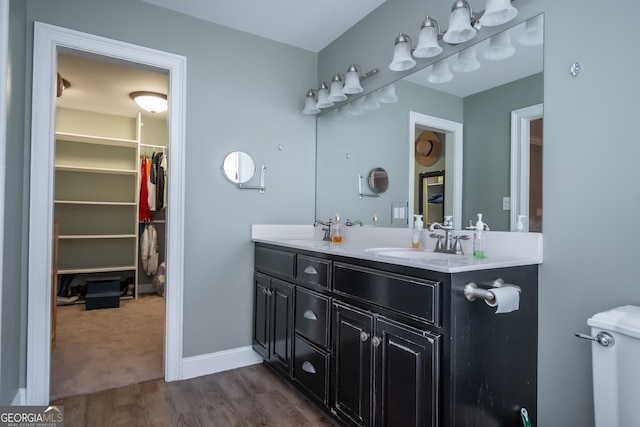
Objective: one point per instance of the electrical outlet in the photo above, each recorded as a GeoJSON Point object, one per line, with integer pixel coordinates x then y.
{"type": "Point", "coordinates": [399, 213]}
{"type": "Point", "coordinates": [506, 203]}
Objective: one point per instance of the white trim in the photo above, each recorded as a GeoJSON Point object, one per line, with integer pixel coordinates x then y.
{"type": "Point", "coordinates": [208, 364]}
{"type": "Point", "coordinates": [4, 90]}
{"type": "Point", "coordinates": [453, 161]}
{"type": "Point", "coordinates": [48, 39]}
{"type": "Point", "coordinates": [520, 139]}
{"type": "Point", "coordinates": [20, 399]}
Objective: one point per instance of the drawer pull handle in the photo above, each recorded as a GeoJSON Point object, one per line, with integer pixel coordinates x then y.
{"type": "Point", "coordinates": [310, 270]}
{"type": "Point", "coordinates": [364, 336]}
{"type": "Point", "coordinates": [308, 314]}
{"type": "Point", "coordinates": [308, 367]}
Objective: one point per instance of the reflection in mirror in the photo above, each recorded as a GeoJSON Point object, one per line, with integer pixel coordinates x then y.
{"type": "Point", "coordinates": [482, 104]}
{"type": "Point", "coordinates": [378, 180]}
{"type": "Point", "coordinates": [238, 167]}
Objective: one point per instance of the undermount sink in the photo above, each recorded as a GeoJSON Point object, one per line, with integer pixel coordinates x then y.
{"type": "Point", "coordinates": [308, 242]}
{"type": "Point", "coordinates": [413, 254]}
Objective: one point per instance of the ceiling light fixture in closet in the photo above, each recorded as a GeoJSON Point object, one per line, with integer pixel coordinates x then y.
{"type": "Point", "coordinates": [152, 102]}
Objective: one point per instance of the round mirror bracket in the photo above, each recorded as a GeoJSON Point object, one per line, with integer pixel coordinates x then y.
{"type": "Point", "coordinates": [238, 167]}
{"type": "Point", "coordinates": [378, 182]}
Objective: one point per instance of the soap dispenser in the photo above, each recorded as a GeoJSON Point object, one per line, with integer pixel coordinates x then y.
{"type": "Point", "coordinates": [418, 226]}
{"type": "Point", "coordinates": [520, 223]}
{"type": "Point", "coordinates": [479, 238]}
{"type": "Point", "coordinates": [336, 230]}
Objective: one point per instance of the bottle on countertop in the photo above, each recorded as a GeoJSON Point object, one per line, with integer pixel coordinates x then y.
{"type": "Point", "coordinates": [336, 230]}
{"type": "Point", "coordinates": [418, 227]}
{"type": "Point", "coordinates": [479, 238]}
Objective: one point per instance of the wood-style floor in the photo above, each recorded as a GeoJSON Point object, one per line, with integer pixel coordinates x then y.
{"type": "Point", "coordinates": [247, 397]}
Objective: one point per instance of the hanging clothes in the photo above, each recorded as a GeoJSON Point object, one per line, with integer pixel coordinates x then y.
{"type": "Point", "coordinates": [144, 213]}
{"type": "Point", "coordinates": [159, 161]}
{"type": "Point", "coordinates": [151, 183]}
{"type": "Point", "coordinates": [164, 164]}
{"type": "Point", "coordinates": [149, 250]}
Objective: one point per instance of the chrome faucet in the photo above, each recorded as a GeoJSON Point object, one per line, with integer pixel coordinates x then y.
{"type": "Point", "coordinates": [327, 230]}
{"type": "Point", "coordinates": [352, 223]}
{"type": "Point", "coordinates": [448, 243]}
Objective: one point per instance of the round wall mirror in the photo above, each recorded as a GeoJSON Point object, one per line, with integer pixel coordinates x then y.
{"type": "Point", "coordinates": [378, 180]}
{"type": "Point", "coordinates": [238, 167]}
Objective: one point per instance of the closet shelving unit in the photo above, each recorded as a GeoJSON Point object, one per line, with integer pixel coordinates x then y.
{"type": "Point", "coordinates": [96, 202]}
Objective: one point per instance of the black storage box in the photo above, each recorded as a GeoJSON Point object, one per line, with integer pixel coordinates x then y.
{"type": "Point", "coordinates": [103, 293]}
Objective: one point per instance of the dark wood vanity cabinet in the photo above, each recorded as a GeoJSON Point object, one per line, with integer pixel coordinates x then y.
{"type": "Point", "coordinates": [384, 345]}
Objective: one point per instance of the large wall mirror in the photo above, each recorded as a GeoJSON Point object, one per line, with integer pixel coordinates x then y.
{"type": "Point", "coordinates": [481, 101]}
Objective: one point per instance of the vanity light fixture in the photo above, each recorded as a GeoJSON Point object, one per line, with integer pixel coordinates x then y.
{"type": "Point", "coordinates": [467, 61]}
{"type": "Point", "coordinates": [428, 45]}
{"type": "Point", "coordinates": [500, 47]}
{"type": "Point", "coordinates": [328, 98]}
{"type": "Point", "coordinates": [388, 94]}
{"type": "Point", "coordinates": [460, 28]}
{"type": "Point", "coordinates": [440, 72]}
{"type": "Point", "coordinates": [402, 59]}
{"type": "Point", "coordinates": [498, 12]}
{"type": "Point", "coordinates": [337, 89]}
{"type": "Point", "coordinates": [533, 34]}
{"type": "Point", "coordinates": [463, 26]}
{"type": "Point", "coordinates": [310, 103]}
{"type": "Point", "coordinates": [323, 97]}
{"type": "Point", "coordinates": [61, 85]}
{"type": "Point", "coordinates": [371, 101]}
{"type": "Point", "coordinates": [153, 102]}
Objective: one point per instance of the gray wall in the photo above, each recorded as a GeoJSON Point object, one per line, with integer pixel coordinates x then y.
{"type": "Point", "coordinates": [582, 274]}
{"type": "Point", "coordinates": [237, 99]}
{"type": "Point", "coordinates": [487, 148]}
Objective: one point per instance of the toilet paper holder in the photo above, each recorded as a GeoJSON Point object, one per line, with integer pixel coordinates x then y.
{"type": "Point", "coordinates": [473, 292]}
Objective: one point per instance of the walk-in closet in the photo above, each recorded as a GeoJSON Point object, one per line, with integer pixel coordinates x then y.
{"type": "Point", "coordinates": [110, 200]}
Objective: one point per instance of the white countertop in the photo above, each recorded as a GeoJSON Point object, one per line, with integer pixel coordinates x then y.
{"type": "Point", "coordinates": [503, 249]}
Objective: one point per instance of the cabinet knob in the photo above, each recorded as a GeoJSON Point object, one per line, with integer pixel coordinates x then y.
{"type": "Point", "coordinates": [364, 336]}
{"type": "Point", "coordinates": [308, 314]}
{"type": "Point", "coordinates": [375, 341]}
{"type": "Point", "coordinates": [268, 292]}
{"type": "Point", "coordinates": [308, 367]}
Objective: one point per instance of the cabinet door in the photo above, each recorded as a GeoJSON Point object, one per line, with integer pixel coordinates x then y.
{"type": "Point", "coordinates": [407, 375]}
{"type": "Point", "coordinates": [261, 290]}
{"type": "Point", "coordinates": [281, 325]}
{"type": "Point", "coordinates": [352, 376]}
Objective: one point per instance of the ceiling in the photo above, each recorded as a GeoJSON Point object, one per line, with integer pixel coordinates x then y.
{"type": "Point", "coordinates": [310, 24]}
{"type": "Point", "coordinates": [103, 85]}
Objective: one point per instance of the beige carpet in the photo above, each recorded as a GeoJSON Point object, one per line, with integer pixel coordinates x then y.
{"type": "Point", "coordinates": [107, 348]}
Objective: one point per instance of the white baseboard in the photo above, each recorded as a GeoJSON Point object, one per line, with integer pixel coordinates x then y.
{"type": "Point", "coordinates": [211, 363]}
{"type": "Point", "coordinates": [20, 399]}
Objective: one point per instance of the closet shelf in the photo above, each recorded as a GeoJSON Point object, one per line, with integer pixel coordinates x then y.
{"type": "Point", "coordinates": [90, 139]}
{"type": "Point", "coordinates": [96, 269]}
{"type": "Point", "coordinates": [86, 169]}
{"type": "Point", "coordinates": [87, 202]}
{"type": "Point", "coordinates": [96, 236]}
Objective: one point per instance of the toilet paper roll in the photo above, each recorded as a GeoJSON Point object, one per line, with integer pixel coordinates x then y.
{"type": "Point", "coordinates": [507, 299]}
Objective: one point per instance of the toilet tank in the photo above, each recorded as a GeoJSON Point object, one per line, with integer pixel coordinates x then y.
{"type": "Point", "coordinates": [616, 368]}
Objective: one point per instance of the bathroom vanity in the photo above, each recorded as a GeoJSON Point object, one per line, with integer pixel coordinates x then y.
{"type": "Point", "coordinates": [394, 341]}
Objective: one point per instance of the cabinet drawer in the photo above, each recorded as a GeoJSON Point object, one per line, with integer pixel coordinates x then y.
{"type": "Point", "coordinates": [313, 271]}
{"type": "Point", "coordinates": [415, 297]}
{"type": "Point", "coordinates": [311, 369]}
{"type": "Point", "coordinates": [275, 262]}
{"type": "Point", "coordinates": [312, 316]}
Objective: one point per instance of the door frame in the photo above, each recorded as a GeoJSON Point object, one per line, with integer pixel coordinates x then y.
{"type": "Point", "coordinates": [4, 73]}
{"type": "Point", "coordinates": [48, 41]}
{"type": "Point", "coordinates": [520, 155]}
{"type": "Point", "coordinates": [453, 162]}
